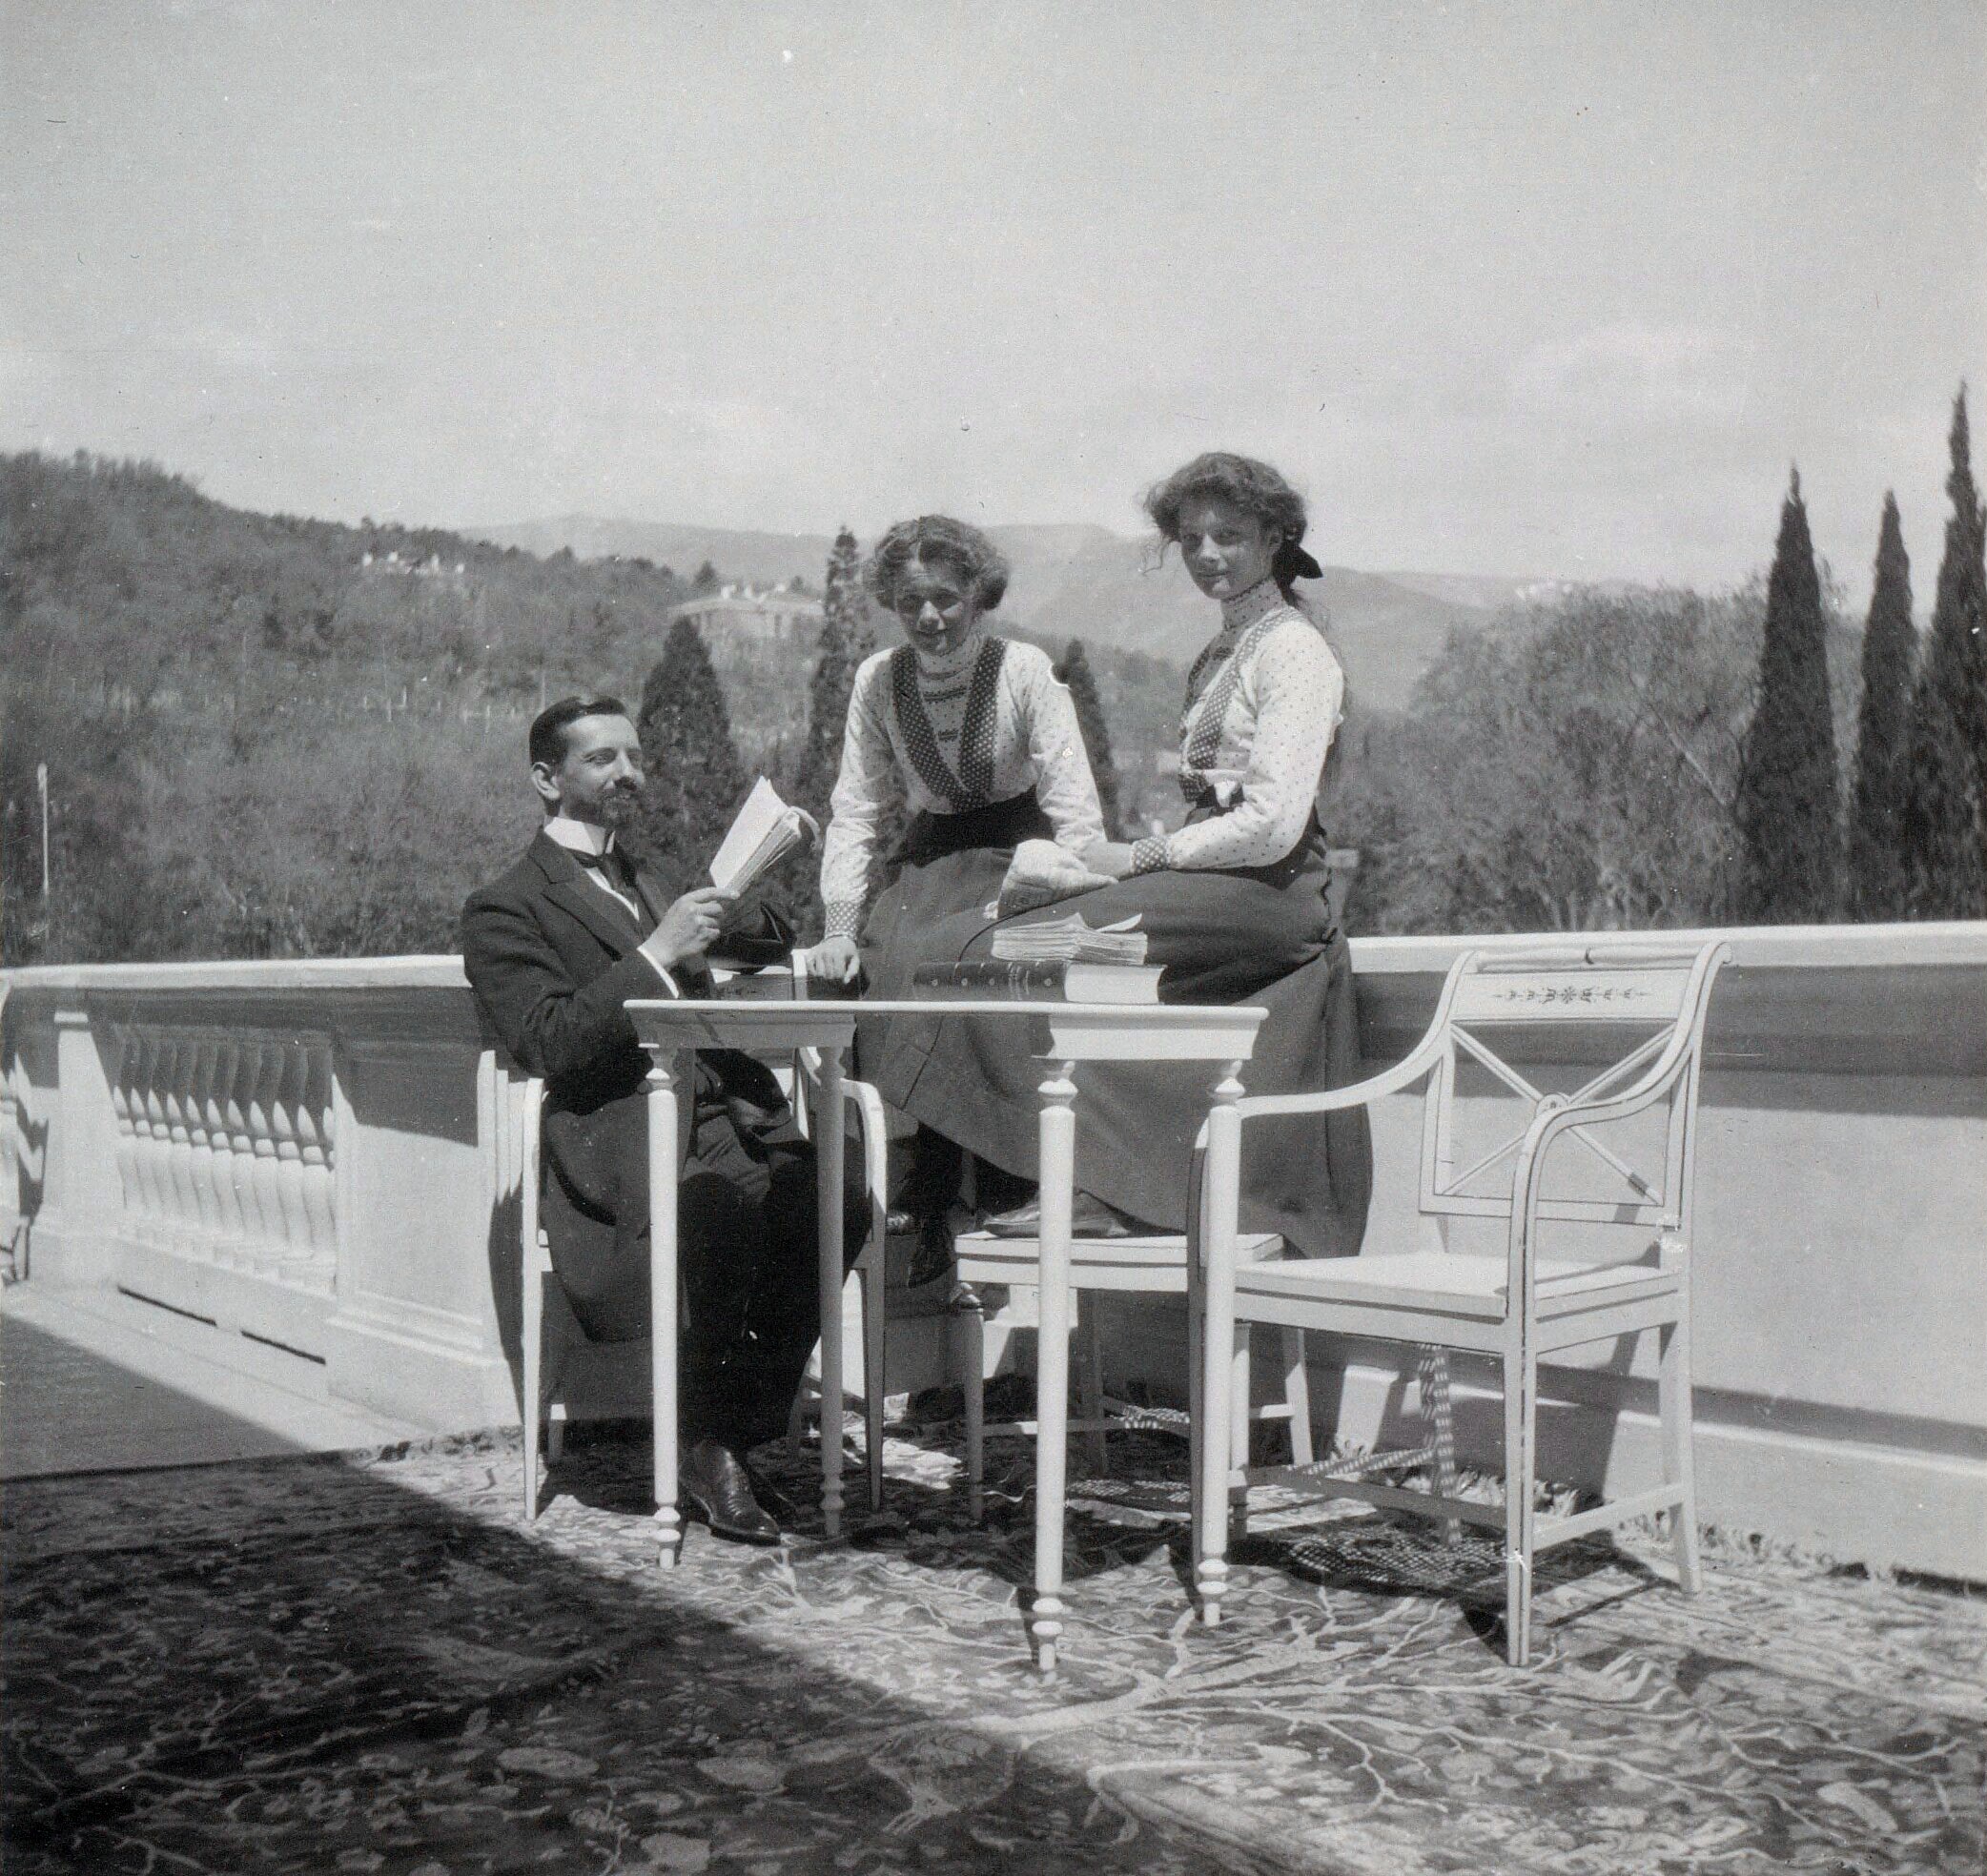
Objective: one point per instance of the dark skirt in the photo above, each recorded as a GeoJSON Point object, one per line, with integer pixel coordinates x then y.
{"type": "Point", "coordinates": [1261, 935]}
{"type": "Point", "coordinates": [950, 871]}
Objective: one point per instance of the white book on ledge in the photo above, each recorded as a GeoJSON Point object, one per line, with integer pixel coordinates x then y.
{"type": "Point", "coordinates": [764, 831]}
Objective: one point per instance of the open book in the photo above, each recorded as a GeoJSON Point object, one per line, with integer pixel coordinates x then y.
{"type": "Point", "coordinates": [764, 832]}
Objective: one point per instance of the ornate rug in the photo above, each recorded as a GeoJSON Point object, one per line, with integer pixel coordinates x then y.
{"type": "Point", "coordinates": [372, 1664]}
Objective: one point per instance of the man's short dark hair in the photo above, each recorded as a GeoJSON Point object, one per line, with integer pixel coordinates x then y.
{"type": "Point", "coordinates": [547, 739]}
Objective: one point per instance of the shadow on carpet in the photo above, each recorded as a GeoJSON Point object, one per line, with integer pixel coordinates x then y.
{"type": "Point", "coordinates": [372, 1665]}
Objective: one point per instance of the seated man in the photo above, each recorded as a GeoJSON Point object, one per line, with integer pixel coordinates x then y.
{"type": "Point", "coordinates": [553, 949]}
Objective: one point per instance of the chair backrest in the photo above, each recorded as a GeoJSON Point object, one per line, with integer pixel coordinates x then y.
{"type": "Point", "coordinates": [1622, 1014]}
{"type": "Point", "coordinates": [520, 1100]}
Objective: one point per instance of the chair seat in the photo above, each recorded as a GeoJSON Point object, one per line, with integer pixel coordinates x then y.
{"type": "Point", "coordinates": [1452, 1282]}
{"type": "Point", "coordinates": [1156, 1264]}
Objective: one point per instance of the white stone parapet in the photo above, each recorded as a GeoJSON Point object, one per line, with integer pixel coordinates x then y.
{"type": "Point", "coordinates": [311, 1167]}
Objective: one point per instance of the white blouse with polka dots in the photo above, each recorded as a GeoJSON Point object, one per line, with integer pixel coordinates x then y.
{"type": "Point", "coordinates": [984, 725]}
{"type": "Point", "coordinates": [1265, 699]}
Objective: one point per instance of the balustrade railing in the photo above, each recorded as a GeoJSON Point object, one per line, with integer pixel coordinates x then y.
{"type": "Point", "coordinates": [315, 1166]}
{"type": "Point", "coordinates": [226, 1147]}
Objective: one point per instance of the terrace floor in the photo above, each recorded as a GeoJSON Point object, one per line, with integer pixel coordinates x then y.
{"type": "Point", "coordinates": [364, 1661]}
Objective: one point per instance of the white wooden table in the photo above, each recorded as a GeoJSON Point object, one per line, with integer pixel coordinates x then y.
{"type": "Point", "coordinates": [1063, 1035]}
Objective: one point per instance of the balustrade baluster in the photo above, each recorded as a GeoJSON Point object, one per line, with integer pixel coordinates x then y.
{"type": "Point", "coordinates": [155, 1160]}
{"type": "Point", "coordinates": [266, 1056]}
{"type": "Point", "coordinates": [122, 1075]}
{"type": "Point", "coordinates": [207, 1209]}
{"type": "Point", "coordinates": [314, 1133]}
{"type": "Point", "coordinates": [180, 1225]}
{"type": "Point", "coordinates": [224, 1130]}
{"type": "Point", "coordinates": [9, 1142]}
{"type": "Point", "coordinates": [289, 1152]}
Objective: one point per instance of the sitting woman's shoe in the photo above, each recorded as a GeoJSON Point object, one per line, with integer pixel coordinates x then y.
{"type": "Point", "coordinates": [933, 1258]}
{"type": "Point", "coordinates": [1089, 1217]}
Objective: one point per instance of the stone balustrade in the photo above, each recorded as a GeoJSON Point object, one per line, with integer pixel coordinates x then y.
{"type": "Point", "coordinates": [227, 1145]}
{"type": "Point", "coordinates": [311, 1170]}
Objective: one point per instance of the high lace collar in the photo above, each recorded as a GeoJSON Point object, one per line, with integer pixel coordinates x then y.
{"type": "Point", "coordinates": [1246, 609]}
{"type": "Point", "coordinates": [951, 665]}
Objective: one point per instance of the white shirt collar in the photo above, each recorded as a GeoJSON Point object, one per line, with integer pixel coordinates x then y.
{"type": "Point", "coordinates": [1246, 609]}
{"type": "Point", "coordinates": [578, 836]}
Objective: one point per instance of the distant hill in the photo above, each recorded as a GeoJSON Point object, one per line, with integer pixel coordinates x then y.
{"type": "Point", "coordinates": [1084, 581]}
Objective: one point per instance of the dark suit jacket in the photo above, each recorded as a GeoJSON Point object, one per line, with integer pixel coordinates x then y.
{"type": "Point", "coordinates": [552, 959]}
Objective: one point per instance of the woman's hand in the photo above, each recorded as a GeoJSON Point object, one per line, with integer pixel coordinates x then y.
{"type": "Point", "coordinates": [1111, 858]}
{"type": "Point", "coordinates": [836, 960]}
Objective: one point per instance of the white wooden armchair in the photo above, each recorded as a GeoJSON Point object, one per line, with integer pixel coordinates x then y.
{"type": "Point", "coordinates": [1644, 998]}
{"type": "Point", "coordinates": [547, 1333]}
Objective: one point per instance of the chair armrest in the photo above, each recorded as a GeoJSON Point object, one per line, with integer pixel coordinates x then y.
{"type": "Point", "coordinates": [1404, 1074]}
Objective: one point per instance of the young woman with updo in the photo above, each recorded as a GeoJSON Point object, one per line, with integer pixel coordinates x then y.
{"type": "Point", "coordinates": [1234, 905]}
{"type": "Point", "coordinates": [982, 739]}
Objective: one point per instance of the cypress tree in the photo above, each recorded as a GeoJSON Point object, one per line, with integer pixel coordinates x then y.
{"type": "Point", "coordinates": [1787, 806]}
{"type": "Point", "coordinates": [1945, 781]}
{"type": "Point", "coordinates": [1075, 673]}
{"type": "Point", "coordinates": [695, 778]}
{"type": "Point", "coordinates": [1876, 885]}
{"type": "Point", "coordinates": [834, 676]}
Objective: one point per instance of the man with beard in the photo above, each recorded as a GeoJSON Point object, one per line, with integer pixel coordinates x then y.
{"type": "Point", "coordinates": [553, 951]}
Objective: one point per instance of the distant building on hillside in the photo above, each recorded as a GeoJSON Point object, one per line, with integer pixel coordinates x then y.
{"type": "Point", "coordinates": [780, 616]}
{"type": "Point", "coordinates": [393, 566]}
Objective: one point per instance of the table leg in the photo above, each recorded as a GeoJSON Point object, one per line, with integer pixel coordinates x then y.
{"type": "Point", "coordinates": [828, 1166]}
{"type": "Point", "coordinates": [665, 1080]}
{"type": "Point", "coordinates": [1052, 1411]}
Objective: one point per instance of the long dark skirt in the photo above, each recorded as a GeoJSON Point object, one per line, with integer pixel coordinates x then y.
{"type": "Point", "coordinates": [951, 867]}
{"type": "Point", "coordinates": [1263, 935]}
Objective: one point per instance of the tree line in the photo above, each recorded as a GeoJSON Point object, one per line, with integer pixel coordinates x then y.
{"type": "Point", "coordinates": [1613, 759]}
{"type": "Point", "coordinates": [1604, 758]}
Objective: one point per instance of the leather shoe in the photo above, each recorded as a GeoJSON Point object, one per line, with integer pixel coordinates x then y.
{"type": "Point", "coordinates": [716, 1487]}
{"type": "Point", "coordinates": [1089, 1217]}
{"type": "Point", "coordinates": [934, 1255]}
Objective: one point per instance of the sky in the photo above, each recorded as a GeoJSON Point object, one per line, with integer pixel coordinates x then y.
{"type": "Point", "coordinates": [1556, 290]}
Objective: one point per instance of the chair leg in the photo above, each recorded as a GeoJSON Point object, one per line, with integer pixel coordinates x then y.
{"type": "Point", "coordinates": [871, 1271]}
{"type": "Point", "coordinates": [1090, 1377]}
{"type": "Point", "coordinates": [1239, 1437]}
{"type": "Point", "coordinates": [969, 1321]}
{"type": "Point", "coordinates": [797, 1425]}
{"type": "Point", "coordinates": [554, 1405]}
{"type": "Point", "coordinates": [1520, 1382]}
{"type": "Point", "coordinates": [1196, 1426]}
{"type": "Point", "coordinates": [1673, 1404]}
{"type": "Point", "coordinates": [1439, 1417]}
{"type": "Point", "coordinates": [531, 1396]}
{"type": "Point", "coordinates": [1214, 1393]}
{"type": "Point", "coordinates": [1297, 1395]}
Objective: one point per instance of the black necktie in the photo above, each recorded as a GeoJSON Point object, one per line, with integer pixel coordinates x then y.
{"type": "Point", "coordinates": [615, 873]}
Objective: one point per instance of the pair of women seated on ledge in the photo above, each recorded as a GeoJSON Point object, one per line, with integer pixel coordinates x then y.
{"type": "Point", "coordinates": [983, 740]}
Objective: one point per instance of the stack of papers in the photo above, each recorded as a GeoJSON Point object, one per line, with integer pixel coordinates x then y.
{"type": "Point", "coordinates": [765, 831]}
{"type": "Point", "coordinates": [1072, 939]}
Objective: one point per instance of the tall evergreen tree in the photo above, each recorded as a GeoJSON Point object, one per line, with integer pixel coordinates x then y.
{"type": "Point", "coordinates": [1875, 883]}
{"type": "Point", "coordinates": [695, 778]}
{"type": "Point", "coordinates": [1788, 803]}
{"type": "Point", "coordinates": [1075, 673]}
{"type": "Point", "coordinates": [834, 675]}
{"type": "Point", "coordinates": [1943, 816]}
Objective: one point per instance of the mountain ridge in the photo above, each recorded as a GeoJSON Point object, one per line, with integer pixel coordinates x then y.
{"type": "Point", "coordinates": [1078, 579]}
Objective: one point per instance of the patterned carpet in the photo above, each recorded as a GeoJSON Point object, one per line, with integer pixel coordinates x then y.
{"type": "Point", "coordinates": [326, 1666]}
